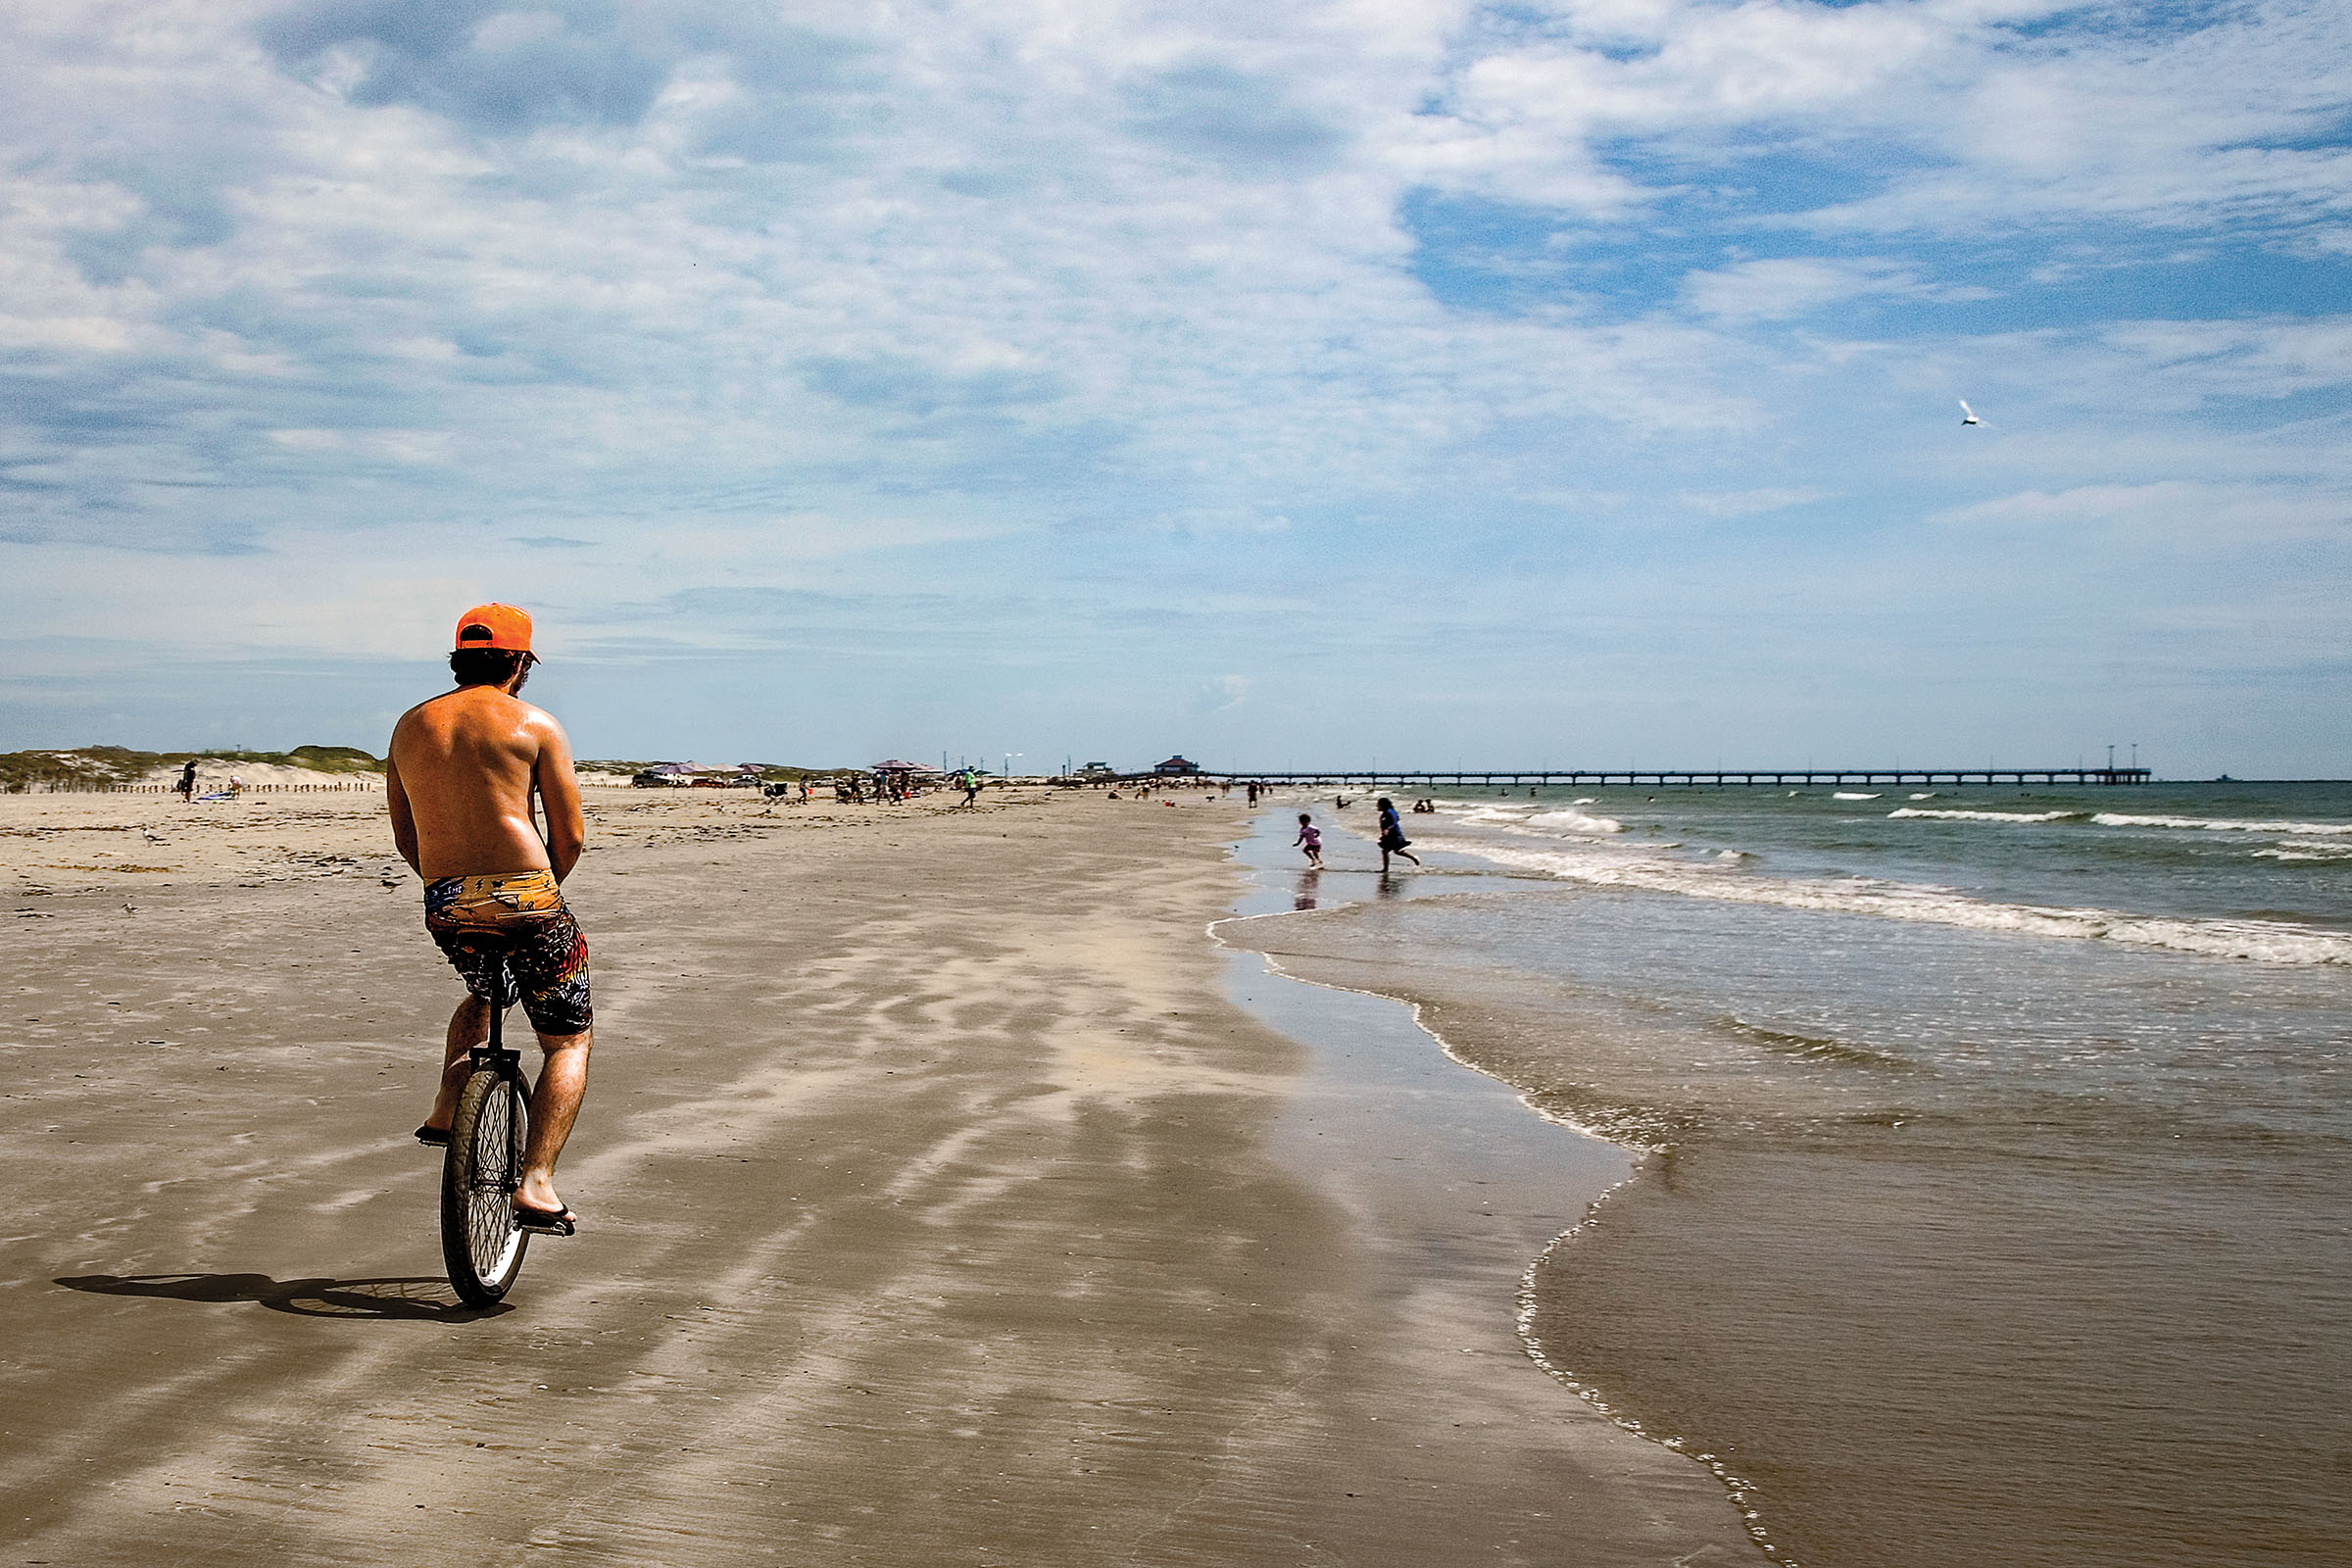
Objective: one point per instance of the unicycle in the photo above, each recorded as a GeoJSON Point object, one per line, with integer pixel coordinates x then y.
{"type": "Point", "coordinates": [481, 1168]}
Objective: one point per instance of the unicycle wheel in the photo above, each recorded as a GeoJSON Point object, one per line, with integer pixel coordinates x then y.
{"type": "Point", "coordinates": [479, 1173]}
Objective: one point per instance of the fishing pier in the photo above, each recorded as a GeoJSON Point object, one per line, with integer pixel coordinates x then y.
{"type": "Point", "coordinates": [1671, 778]}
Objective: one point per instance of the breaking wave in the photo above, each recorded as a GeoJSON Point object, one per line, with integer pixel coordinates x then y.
{"type": "Point", "coordinates": [1815, 1048]}
{"type": "Point", "coordinates": [2258, 941]}
{"type": "Point", "coordinates": [1954, 814]}
{"type": "Point", "coordinates": [1526, 818]}
{"type": "Point", "coordinates": [1572, 822]}
{"type": "Point", "coordinates": [2219, 824]}
{"type": "Point", "coordinates": [2296, 849]}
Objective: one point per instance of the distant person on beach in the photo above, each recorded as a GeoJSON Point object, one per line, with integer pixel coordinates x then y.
{"type": "Point", "coordinates": [188, 782]}
{"type": "Point", "coordinates": [971, 786]}
{"type": "Point", "coordinates": [1392, 836]}
{"type": "Point", "coordinates": [1309, 839]}
{"type": "Point", "coordinates": [1253, 795]}
{"type": "Point", "coordinates": [460, 776]}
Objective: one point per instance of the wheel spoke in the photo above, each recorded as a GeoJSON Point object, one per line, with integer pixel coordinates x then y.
{"type": "Point", "coordinates": [481, 1241]}
{"type": "Point", "coordinates": [493, 1184]}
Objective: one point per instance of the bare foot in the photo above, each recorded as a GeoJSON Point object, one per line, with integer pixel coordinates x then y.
{"type": "Point", "coordinates": [539, 1193]}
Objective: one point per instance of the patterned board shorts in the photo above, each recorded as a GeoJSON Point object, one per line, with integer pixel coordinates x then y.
{"type": "Point", "coordinates": [521, 918]}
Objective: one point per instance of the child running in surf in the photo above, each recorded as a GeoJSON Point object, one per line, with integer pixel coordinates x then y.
{"type": "Point", "coordinates": [1309, 839]}
{"type": "Point", "coordinates": [1392, 836]}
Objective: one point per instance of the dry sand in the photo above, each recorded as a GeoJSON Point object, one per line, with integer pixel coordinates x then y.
{"type": "Point", "coordinates": [935, 1213]}
{"type": "Point", "coordinates": [215, 772]}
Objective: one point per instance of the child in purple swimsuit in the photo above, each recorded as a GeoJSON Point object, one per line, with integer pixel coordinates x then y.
{"type": "Point", "coordinates": [1309, 839]}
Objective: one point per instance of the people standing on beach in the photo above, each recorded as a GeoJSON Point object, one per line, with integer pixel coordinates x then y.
{"type": "Point", "coordinates": [1253, 794]}
{"type": "Point", "coordinates": [459, 778]}
{"type": "Point", "coordinates": [188, 782]}
{"type": "Point", "coordinates": [1392, 836]}
{"type": "Point", "coordinates": [1309, 839]}
{"type": "Point", "coordinates": [971, 786]}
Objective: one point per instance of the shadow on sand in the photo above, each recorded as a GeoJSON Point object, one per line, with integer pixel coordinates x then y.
{"type": "Point", "coordinates": [418, 1300]}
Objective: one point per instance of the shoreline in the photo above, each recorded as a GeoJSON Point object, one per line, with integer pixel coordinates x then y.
{"type": "Point", "coordinates": [1492, 1183]}
{"type": "Point", "coordinates": [937, 1207]}
{"type": "Point", "coordinates": [1542, 1132]}
{"type": "Point", "coordinates": [1497, 1054]}
{"type": "Point", "coordinates": [1903, 1262]}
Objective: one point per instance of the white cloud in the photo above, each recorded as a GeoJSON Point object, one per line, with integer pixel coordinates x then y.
{"type": "Point", "coordinates": [1040, 302]}
{"type": "Point", "coordinates": [2258, 358]}
{"type": "Point", "coordinates": [1792, 286]}
{"type": "Point", "coordinates": [1746, 503]}
{"type": "Point", "coordinates": [1986, 123]}
{"type": "Point", "coordinates": [1221, 692]}
{"type": "Point", "coordinates": [2173, 514]}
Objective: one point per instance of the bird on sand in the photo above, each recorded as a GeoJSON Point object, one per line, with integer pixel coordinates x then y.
{"type": "Point", "coordinates": [1968, 414]}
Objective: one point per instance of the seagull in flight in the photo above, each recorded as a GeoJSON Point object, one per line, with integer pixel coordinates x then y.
{"type": "Point", "coordinates": [1969, 414]}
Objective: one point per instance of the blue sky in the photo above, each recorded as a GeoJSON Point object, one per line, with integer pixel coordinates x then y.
{"type": "Point", "coordinates": [1353, 382]}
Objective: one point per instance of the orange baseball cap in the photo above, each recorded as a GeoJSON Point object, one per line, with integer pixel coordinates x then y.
{"type": "Point", "coordinates": [495, 626]}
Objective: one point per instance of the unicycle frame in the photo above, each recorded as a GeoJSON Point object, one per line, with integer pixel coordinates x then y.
{"type": "Point", "coordinates": [492, 1053]}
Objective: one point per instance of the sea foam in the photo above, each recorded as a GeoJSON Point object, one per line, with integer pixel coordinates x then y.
{"type": "Point", "coordinates": [1575, 822]}
{"type": "Point", "coordinates": [2301, 849]}
{"type": "Point", "coordinates": [1954, 814]}
{"type": "Point", "coordinates": [2219, 824]}
{"type": "Point", "coordinates": [2260, 941]}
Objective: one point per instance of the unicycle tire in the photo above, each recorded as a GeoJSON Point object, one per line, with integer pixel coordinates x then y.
{"type": "Point", "coordinates": [479, 1172]}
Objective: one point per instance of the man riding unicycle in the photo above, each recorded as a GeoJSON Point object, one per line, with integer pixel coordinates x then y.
{"type": "Point", "coordinates": [462, 772]}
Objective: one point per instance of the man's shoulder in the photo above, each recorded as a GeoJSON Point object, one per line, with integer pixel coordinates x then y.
{"type": "Point", "coordinates": [535, 716]}
{"type": "Point", "coordinates": [437, 700]}
{"type": "Point", "coordinates": [471, 707]}
{"type": "Point", "coordinates": [506, 713]}
{"type": "Point", "coordinates": [409, 719]}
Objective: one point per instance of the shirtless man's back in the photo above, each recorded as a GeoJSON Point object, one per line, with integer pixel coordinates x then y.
{"type": "Point", "coordinates": [465, 766]}
{"type": "Point", "coordinates": [462, 772]}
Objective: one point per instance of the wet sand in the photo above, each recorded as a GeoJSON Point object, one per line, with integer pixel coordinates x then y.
{"type": "Point", "coordinates": [940, 1204]}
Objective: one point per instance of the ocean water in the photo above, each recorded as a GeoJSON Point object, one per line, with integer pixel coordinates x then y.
{"type": "Point", "coordinates": [1995, 1198]}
